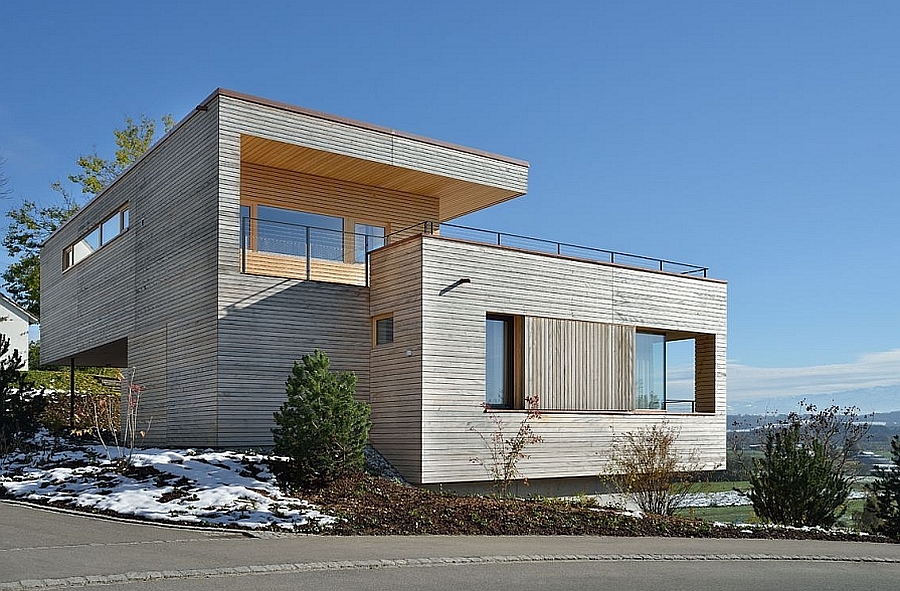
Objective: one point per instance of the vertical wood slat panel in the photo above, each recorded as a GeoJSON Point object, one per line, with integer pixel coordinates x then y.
{"type": "Point", "coordinates": [575, 365]}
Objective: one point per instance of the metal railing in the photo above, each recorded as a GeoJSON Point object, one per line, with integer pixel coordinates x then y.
{"type": "Point", "coordinates": [549, 247]}
{"type": "Point", "coordinates": [328, 244]}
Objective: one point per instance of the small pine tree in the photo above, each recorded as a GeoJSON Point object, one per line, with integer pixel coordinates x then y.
{"type": "Point", "coordinates": [797, 482]}
{"type": "Point", "coordinates": [886, 490]}
{"type": "Point", "coordinates": [321, 428]}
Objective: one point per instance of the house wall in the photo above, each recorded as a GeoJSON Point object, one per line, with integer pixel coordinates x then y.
{"type": "Point", "coordinates": [14, 326]}
{"type": "Point", "coordinates": [570, 293]}
{"type": "Point", "coordinates": [364, 204]}
{"type": "Point", "coordinates": [153, 285]}
{"type": "Point", "coordinates": [396, 368]}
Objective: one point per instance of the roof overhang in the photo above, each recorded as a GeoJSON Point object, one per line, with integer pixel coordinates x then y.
{"type": "Point", "coordinates": [457, 196]}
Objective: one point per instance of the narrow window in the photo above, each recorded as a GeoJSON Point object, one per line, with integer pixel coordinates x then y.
{"type": "Point", "coordinates": [99, 235]}
{"type": "Point", "coordinates": [498, 361]}
{"type": "Point", "coordinates": [367, 238]}
{"type": "Point", "coordinates": [650, 371]}
{"type": "Point", "coordinates": [384, 330]}
{"type": "Point", "coordinates": [86, 246]}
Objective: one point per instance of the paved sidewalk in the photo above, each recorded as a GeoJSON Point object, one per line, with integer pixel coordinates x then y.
{"type": "Point", "coordinates": [50, 549]}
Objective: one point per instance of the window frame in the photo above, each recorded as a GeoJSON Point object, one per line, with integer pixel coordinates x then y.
{"type": "Point", "coordinates": [123, 217]}
{"type": "Point", "coordinates": [513, 362]}
{"type": "Point", "coordinates": [660, 379]}
{"type": "Point", "coordinates": [375, 332]}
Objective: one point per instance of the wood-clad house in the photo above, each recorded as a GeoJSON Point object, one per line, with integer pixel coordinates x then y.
{"type": "Point", "coordinates": [255, 232]}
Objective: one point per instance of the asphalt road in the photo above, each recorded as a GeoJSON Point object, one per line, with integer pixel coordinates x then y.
{"type": "Point", "coordinates": [47, 549]}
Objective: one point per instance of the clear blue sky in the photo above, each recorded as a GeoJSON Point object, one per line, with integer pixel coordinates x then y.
{"type": "Point", "coordinates": [760, 139]}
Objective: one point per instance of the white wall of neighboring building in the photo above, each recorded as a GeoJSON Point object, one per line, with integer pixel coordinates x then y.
{"type": "Point", "coordinates": [14, 323]}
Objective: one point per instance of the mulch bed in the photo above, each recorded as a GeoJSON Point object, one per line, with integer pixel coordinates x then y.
{"type": "Point", "coordinates": [370, 505]}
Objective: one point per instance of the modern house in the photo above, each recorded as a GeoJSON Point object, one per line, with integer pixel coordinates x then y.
{"type": "Point", "coordinates": [14, 323]}
{"type": "Point", "coordinates": [255, 232]}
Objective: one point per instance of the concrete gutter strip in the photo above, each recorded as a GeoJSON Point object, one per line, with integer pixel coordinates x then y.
{"type": "Point", "coordinates": [91, 580]}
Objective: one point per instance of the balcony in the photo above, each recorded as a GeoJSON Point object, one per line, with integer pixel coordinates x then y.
{"type": "Point", "coordinates": [282, 249]}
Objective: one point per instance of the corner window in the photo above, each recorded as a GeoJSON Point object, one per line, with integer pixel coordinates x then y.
{"type": "Point", "coordinates": [384, 330]}
{"type": "Point", "coordinates": [367, 238]}
{"type": "Point", "coordinates": [675, 371]}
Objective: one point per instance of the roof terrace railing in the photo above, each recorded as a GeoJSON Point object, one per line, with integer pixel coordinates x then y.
{"type": "Point", "coordinates": [549, 246]}
{"type": "Point", "coordinates": [308, 252]}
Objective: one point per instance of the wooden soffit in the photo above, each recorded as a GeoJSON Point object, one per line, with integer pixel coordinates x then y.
{"type": "Point", "coordinates": [457, 196]}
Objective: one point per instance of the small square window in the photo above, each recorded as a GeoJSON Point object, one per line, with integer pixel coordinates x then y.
{"type": "Point", "coordinates": [384, 330]}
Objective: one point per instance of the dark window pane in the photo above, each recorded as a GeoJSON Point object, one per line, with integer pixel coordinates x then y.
{"type": "Point", "coordinates": [496, 362]}
{"type": "Point", "coordinates": [384, 331]}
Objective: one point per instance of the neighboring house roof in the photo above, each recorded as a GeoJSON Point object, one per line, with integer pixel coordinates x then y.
{"type": "Point", "coordinates": [18, 310]}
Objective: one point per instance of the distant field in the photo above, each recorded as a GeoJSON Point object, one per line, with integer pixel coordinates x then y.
{"type": "Point", "coordinates": [744, 513]}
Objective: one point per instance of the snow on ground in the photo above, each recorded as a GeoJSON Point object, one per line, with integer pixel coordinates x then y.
{"type": "Point", "coordinates": [732, 498]}
{"type": "Point", "coordinates": [183, 486]}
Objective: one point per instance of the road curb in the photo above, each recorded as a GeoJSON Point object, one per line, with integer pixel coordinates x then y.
{"type": "Point", "coordinates": [263, 569]}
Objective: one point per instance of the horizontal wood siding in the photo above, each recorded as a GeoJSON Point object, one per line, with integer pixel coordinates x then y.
{"type": "Point", "coordinates": [572, 296]}
{"type": "Point", "coordinates": [396, 368]}
{"type": "Point", "coordinates": [152, 346]}
{"type": "Point", "coordinates": [575, 365]}
{"type": "Point", "coordinates": [276, 265]}
{"type": "Point", "coordinates": [154, 285]}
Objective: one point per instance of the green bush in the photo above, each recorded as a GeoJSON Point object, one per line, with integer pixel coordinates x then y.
{"type": "Point", "coordinates": [886, 492]}
{"type": "Point", "coordinates": [797, 482]}
{"type": "Point", "coordinates": [21, 404]}
{"type": "Point", "coordinates": [321, 429]}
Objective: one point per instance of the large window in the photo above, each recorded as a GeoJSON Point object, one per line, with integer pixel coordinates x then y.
{"type": "Point", "coordinates": [650, 371]}
{"type": "Point", "coordinates": [285, 231]}
{"type": "Point", "coordinates": [367, 238]}
{"type": "Point", "coordinates": [101, 234]}
{"type": "Point", "coordinates": [666, 372]}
